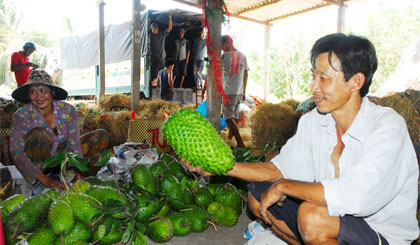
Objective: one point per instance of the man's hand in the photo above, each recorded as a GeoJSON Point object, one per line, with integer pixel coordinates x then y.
{"type": "Point", "coordinates": [194, 169]}
{"type": "Point", "coordinates": [271, 196]}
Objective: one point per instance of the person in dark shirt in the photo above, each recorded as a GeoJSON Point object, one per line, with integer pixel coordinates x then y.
{"type": "Point", "coordinates": [182, 56]}
{"type": "Point", "coordinates": [157, 48]}
{"type": "Point", "coordinates": [166, 81]}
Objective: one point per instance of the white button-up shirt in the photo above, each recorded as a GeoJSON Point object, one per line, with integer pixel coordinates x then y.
{"type": "Point", "coordinates": [378, 169]}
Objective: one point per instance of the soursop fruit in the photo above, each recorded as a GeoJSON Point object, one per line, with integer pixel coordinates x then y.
{"type": "Point", "coordinates": [84, 207]}
{"type": "Point", "coordinates": [29, 214]}
{"type": "Point", "coordinates": [60, 217]}
{"type": "Point", "coordinates": [143, 178]}
{"type": "Point", "coordinates": [198, 219]}
{"type": "Point", "coordinates": [195, 139]}
{"type": "Point", "coordinates": [160, 230]}
{"type": "Point", "coordinates": [114, 235]}
{"type": "Point", "coordinates": [79, 233]}
{"type": "Point", "coordinates": [222, 215]}
{"type": "Point", "coordinates": [41, 236]}
{"type": "Point", "coordinates": [229, 196]}
{"type": "Point", "coordinates": [10, 203]}
{"type": "Point", "coordinates": [182, 224]}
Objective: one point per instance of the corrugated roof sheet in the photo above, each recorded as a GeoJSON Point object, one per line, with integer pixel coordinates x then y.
{"type": "Point", "coordinates": [266, 11]}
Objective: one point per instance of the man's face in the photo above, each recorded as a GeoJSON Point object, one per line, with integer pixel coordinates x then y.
{"type": "Point", "coordinates": [40, 96]}
{"type": "Point", "coordinates": [155, 30]}
{"type": "Point", "coordinates": [329, 88]}
{"type": "Point", "coordinates": [29, 51]}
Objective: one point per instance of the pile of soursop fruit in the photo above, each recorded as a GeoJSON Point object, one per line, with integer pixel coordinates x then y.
{"type": "Point", "coordinates": [160, 201]}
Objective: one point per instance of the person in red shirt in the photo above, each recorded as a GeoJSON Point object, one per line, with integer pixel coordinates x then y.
{"type": "Point", "coordinates": [20, 64]}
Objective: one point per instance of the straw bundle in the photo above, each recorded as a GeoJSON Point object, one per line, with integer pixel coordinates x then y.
{"type": "Point", "coordinates": [156, 109]}
{"type": "Point", "coordinates": [118, 123]}
{"type": "Point", "coordinates": [114, 102]}
{"type": "Point", "coordinates": [406, 108]}
{"type": "Point", "coordinates": [273, 124]}
{"type": "Point", "coordinates": [293, 103]}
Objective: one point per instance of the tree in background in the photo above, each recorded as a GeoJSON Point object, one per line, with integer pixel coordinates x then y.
{"type": "Point", "coordinates": [390, 30]}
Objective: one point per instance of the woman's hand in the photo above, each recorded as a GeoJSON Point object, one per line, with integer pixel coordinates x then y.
{"type": "Point", "coordinates": [194, 169]}
{"type": "Point", "coordinates": [51, 183]}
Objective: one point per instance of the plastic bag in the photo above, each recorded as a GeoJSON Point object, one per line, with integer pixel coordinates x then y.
{"type": "Point", "coordinates": [202, 109]}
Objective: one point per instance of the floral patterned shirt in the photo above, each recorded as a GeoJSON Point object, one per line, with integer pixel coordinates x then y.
{"type": "Point", "coordinates": [27, 118]}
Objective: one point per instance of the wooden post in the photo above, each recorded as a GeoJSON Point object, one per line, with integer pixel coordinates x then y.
{"type": "Point", "coordinates": [213, 96]}
{"type": "Point", "coordinates": [341, 17]}
{"type": "Point", "coordinates": [101, 51]}
{"type": "Point", "coordinates": [136, 56]}
{"type": "Point", "coordinates": [267, 61]}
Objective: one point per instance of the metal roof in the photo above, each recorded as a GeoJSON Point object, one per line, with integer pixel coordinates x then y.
{"type": "Point", "coordinates": [267, 11]}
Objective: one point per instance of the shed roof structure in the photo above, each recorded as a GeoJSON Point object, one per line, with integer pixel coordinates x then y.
{"type": "Point", "coordinates": [268, 11]}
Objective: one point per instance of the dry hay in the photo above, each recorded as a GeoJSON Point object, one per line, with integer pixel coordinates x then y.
{"type": "Point", "coordinates": [405, 107]}
{"type": "Point", "coordinates": [245, 135]}
{"type": "Point", "coordinates": [115, 102]}
{"type": "Point", "coordinates": [272, 124]}
{"type": "Point", "coordinates": [156, 109]}
{"type": "Point", "coordinates": [190, 106]}
{"type": "Point", "coordinates": [118, 123]}
{"type": "Point", "coordinates": [293, 103]}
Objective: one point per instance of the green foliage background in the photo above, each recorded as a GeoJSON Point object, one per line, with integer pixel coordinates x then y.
{"type": "Point", "coordinates": [390, 30]}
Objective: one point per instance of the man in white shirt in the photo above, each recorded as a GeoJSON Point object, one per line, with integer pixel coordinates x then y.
{"type": "Point", "coordinates": [350, 174]}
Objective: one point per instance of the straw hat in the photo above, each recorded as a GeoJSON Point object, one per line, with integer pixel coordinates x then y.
{"type": "Point", "coordinates": [21, 94]}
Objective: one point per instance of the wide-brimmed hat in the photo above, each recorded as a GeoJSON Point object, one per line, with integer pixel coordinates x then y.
{"type": "Point", "coordinates": [21, 94]}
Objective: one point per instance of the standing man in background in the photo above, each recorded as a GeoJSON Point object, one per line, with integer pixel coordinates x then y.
{"type": "Point", "coordinates": [235, 69]}
{"type": "Point", "coordinates": [157, 49]}
{"type": "Point", "coordinates": [182, 56]}
{"type": "Point", "coordinates": [199, 51]}
{"type": "Point", "coordinates": [20, 64]}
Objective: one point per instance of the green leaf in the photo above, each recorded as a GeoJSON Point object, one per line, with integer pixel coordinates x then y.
{"type": "Point", "coordinates": [167, 159]}
{"type": "Point", "coordinates": [53, 161]}
{"type": "Point", "coordinates": [127, 233]}
{"type": "Point", "coordinates": [75, 163]}
{"type": "Point", "coordinates": [112, 206]}
{"type": "Point", "coordinates": [105, 156]}
{"type": "Point", "coordinates": [101, 231]}
{"type": "Point", "coordinates": [141, 227]}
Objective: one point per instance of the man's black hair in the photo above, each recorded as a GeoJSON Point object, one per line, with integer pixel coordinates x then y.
{"type": "Point", "coordinates": [169, 62]}
{"type": "Point", "coordinates": [356, 54]}
{"type": "Point", "coordinates": [227, 39]}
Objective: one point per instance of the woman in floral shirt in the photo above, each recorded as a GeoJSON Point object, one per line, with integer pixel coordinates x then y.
{"type": "Point", "coordinates": [45, 126]}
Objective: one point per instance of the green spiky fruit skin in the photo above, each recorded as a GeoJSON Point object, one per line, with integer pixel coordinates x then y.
{"type": "Point", "coordinates": [41, 236]}
{"type": "Point", "coordinates": [60, 217]}
{"type": "Point", "coordinates": [78, 233]}
{"type": "Point", "coordinates": [101, 193]}
{"type": "Point", "coordinates": [29, 214]}
{"type": "Point", "coordinates": [194, 138]}
{"type": "Point", "coordinates": [198, 219]}
{"type": "Point", "coordinates": [83, 207]}
{"type": "Point", "coordinates": [81, 186]}
{"type": "Point", "coordinates": [9, 204]}
{"type": "Point", "coordinates": [143, 178]}
{"type": "Point", "coordinates": [228, 195]}
{"type": "Point", "coordinates": [182, 224]}
{"type": "Point", "coordinates": [160, 230]}
{"type": "Point", "coordinates": [53, 194]}
{"type": "Point", "coordinates": [203, 197]}
{"type": "Point", "coordinates": [222, 215]}
{"type": "Point", "coordinates": [114, 234]}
